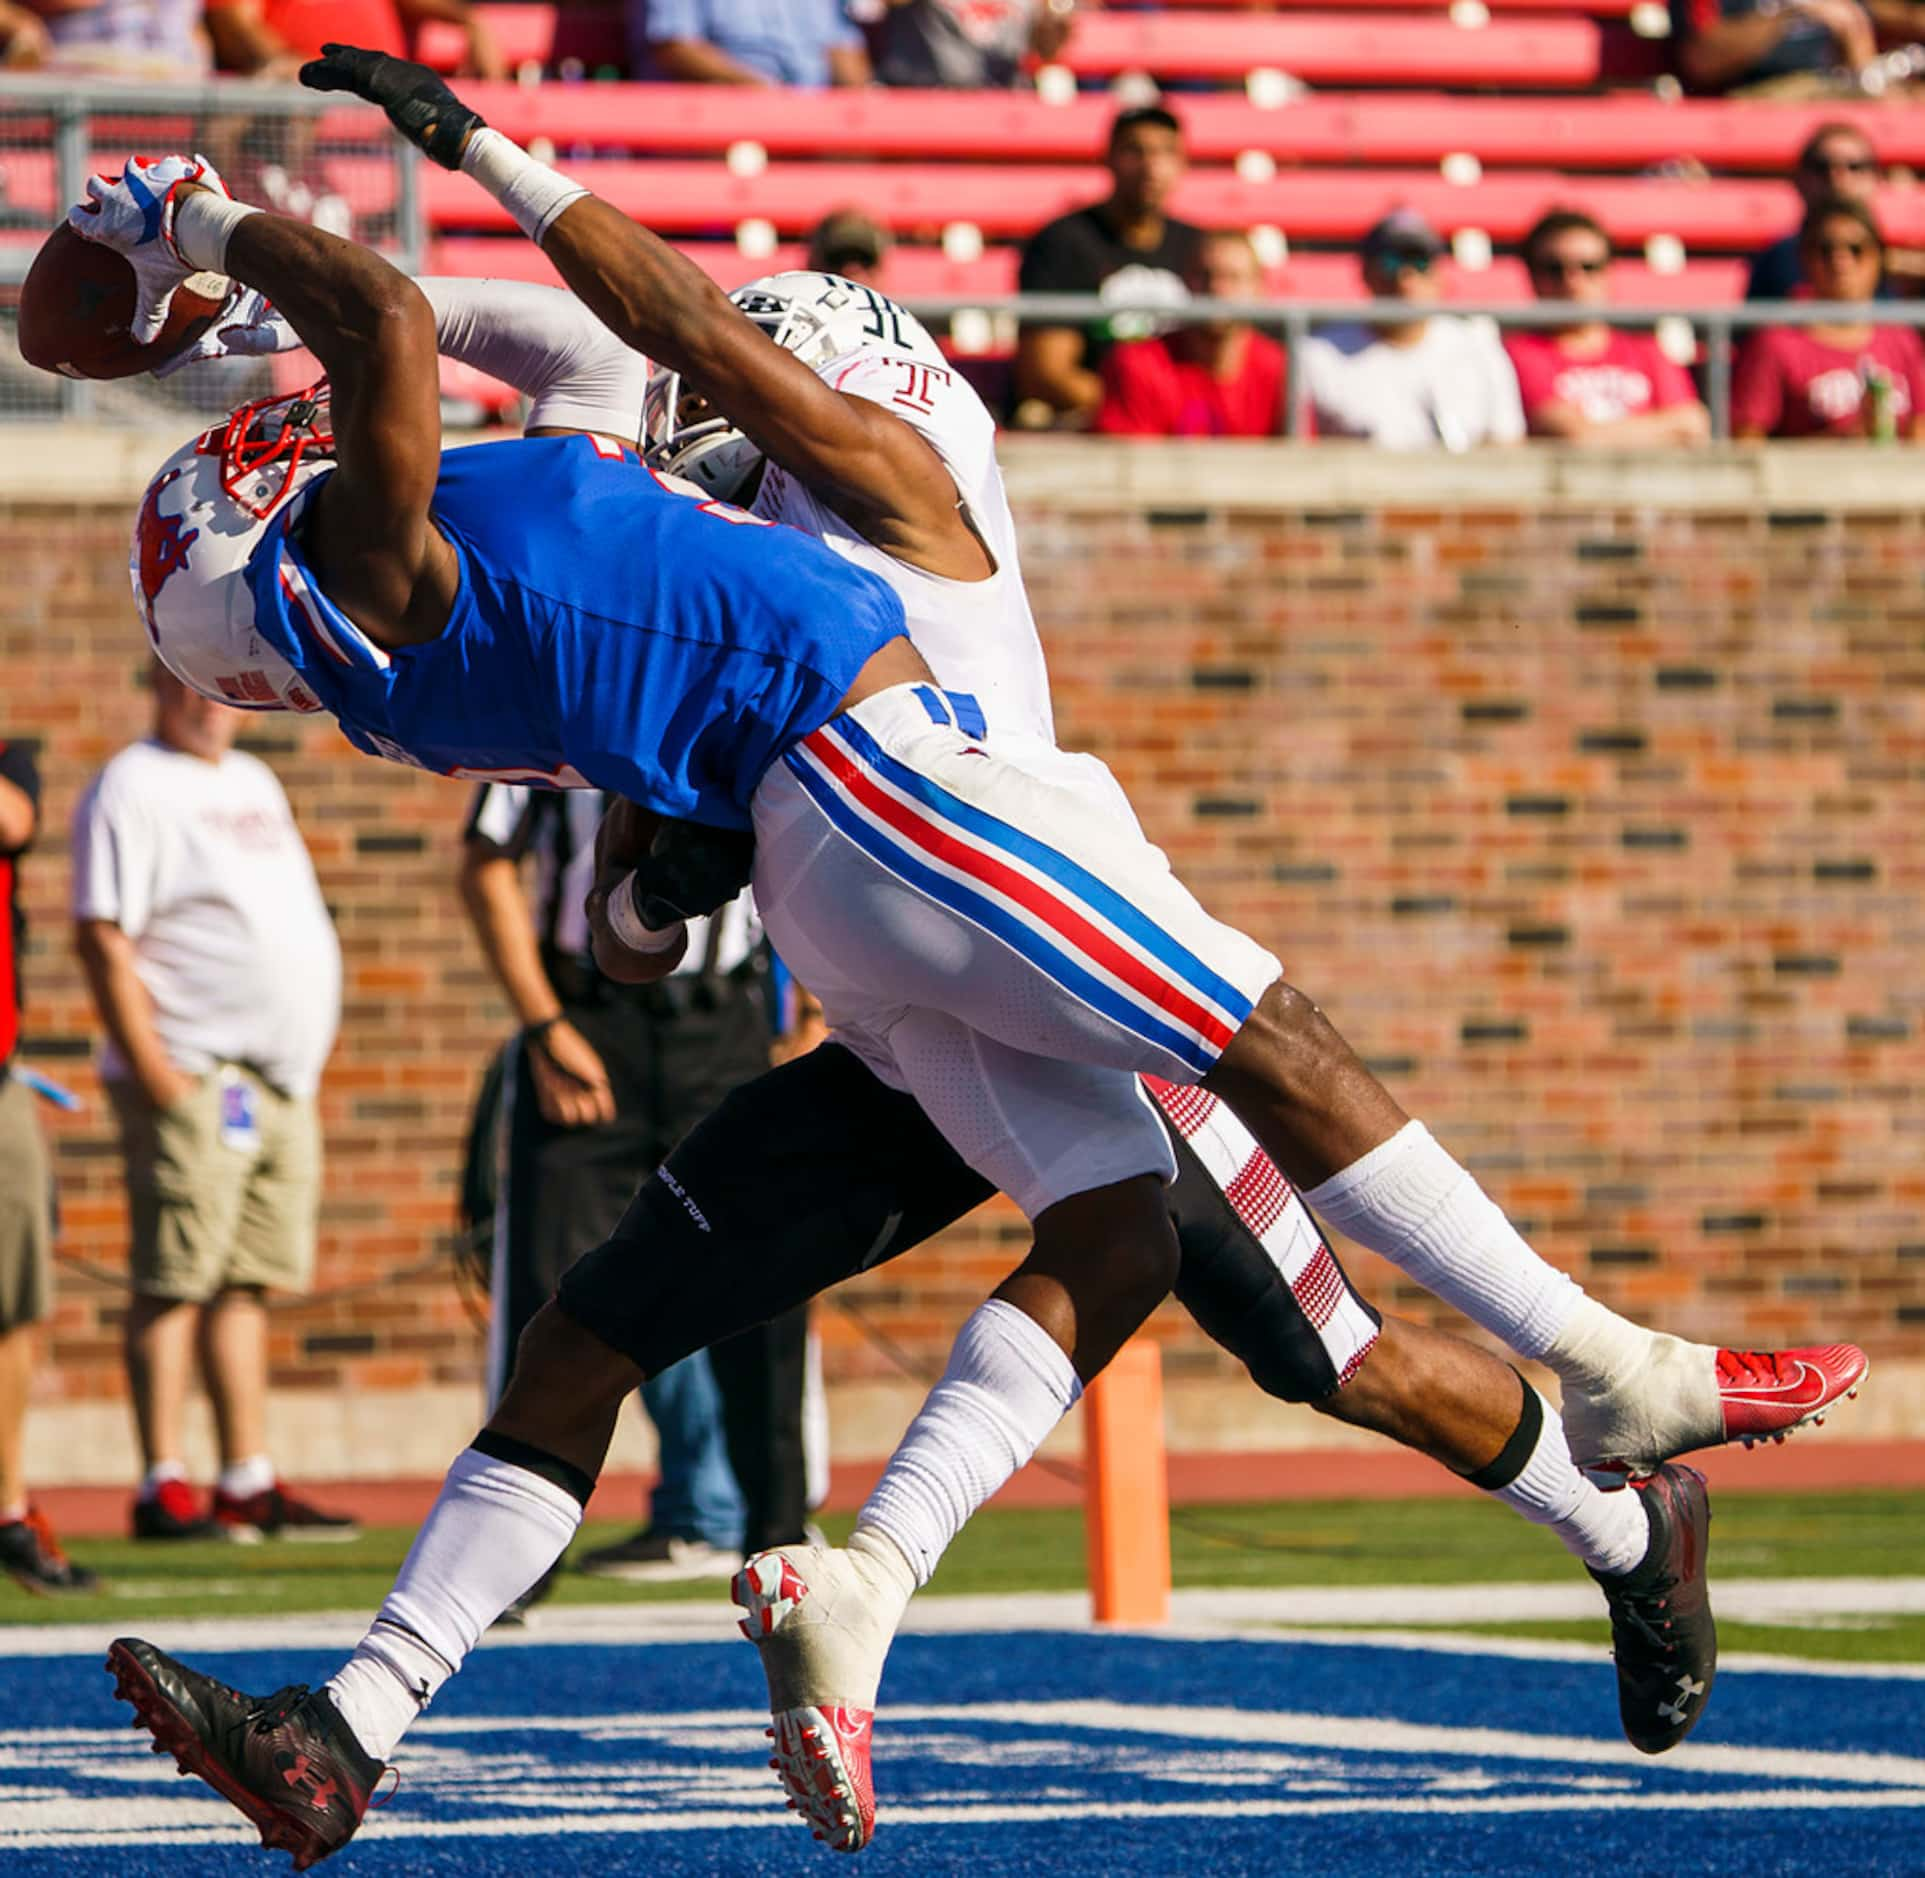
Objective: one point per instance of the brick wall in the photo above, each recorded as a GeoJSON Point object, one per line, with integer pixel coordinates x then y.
{"type": "Point", "coordinates": [1596, 828]}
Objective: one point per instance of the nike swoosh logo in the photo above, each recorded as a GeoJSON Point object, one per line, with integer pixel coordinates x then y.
{"type": "Point", "coordinates": [1807, 1387]}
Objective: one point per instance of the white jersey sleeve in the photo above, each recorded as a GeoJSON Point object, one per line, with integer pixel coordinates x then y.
{"type": "Point", "coordinates": [977, 636]}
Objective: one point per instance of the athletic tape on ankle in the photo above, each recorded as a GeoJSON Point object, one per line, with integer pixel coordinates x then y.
{"type": "Point", "coordinates": [203, 225]}
{"type": "Point", "coordinates": [531, 192]}
{"type": "Point", "coordinates": [626, 923]}
{"type": "Point", "coordinates": [1515, 1455]}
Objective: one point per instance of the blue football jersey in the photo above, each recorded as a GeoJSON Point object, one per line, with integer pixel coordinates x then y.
{"type": "Point", "coordinates": [607, 632]}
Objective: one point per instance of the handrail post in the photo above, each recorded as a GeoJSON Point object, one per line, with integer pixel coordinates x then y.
{"type": "Point", "coordinates": [72, 149]}
{"type": "Point", "coordinates": [1717, 377]}
{"type": "Point", "coordinates": [1296, 410]}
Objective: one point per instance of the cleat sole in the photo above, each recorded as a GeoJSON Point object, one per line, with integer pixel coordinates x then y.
{"type": "Point", "coordinates": [153, 1712]}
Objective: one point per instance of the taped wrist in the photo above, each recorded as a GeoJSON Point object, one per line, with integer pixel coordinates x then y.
{"type": "Point", "coordinates": [201, 225]}
{"type": "Point", "coordinates": [531, 192]}
{"type": "Point", "coordinates": [625, 921]}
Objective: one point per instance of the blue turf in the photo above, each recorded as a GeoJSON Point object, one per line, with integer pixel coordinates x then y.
{"type": "Point", "coordinates": [674, 1729]}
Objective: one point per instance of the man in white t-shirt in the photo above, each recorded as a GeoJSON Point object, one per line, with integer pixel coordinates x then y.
{"type": "Point", "coordinates": [1425, 383]}
{"type": "Point", "coordinates": [218, 978]}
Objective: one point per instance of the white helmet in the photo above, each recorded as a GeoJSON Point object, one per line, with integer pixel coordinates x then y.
{"type": "Point", "coordinates": [202, 517]}
{"type": "Point", "coordinates": [818, 317]}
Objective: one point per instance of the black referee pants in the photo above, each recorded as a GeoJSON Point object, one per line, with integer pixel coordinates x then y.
{"type": "Point", "coordinates": [673, 1051]}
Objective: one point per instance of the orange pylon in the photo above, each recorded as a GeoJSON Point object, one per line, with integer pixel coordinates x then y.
{"type": "Point", "coordinates": [1127, 1489]}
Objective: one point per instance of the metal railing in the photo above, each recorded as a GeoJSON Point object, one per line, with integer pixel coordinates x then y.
{"type": "Point", "coordinates": [1295, 320]}
{"type": "Point", "coordinates": [276, 144]}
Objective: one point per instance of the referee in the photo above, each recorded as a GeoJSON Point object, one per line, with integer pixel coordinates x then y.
{"type": "Point", "coordinates": [601, 1083]}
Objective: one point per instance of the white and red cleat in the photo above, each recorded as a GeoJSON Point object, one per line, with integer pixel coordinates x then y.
{"type": "Point", "coordinates": [822, 1620]}
{"type": "Point", "coordinates": [1768, 1393]}
{"type": "Point", "coordinates": [822, 1756]}
{"type": "Point", "coordinates": [1672, 1398]}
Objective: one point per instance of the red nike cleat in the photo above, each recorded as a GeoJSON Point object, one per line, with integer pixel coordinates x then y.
{"type": "Point", "coordinates": [1768, 1393]}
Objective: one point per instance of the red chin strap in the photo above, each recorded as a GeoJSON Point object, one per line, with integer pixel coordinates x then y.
{"type": "Point", "coordinates": [270, 438]}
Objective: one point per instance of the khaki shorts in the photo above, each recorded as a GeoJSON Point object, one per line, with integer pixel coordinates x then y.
{"type": "Point", "coordinates": [26, 1228]}
{"type": "Point", "coordinates": [213, 1207]}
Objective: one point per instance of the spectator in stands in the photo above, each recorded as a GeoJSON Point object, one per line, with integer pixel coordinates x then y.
{"type": "Point", "coordinates": [747, 42]}
{"type": "Point", "coordinates": [1837, 160]}
{"type": "Point", "coordinates": [24, 40]}
{"type": "Point", "coordinates": [1413, 383]}
{"type": "Point", "coordinates": [155, 40]}
{"type": "Point", "coordinates": [29, 1553]}
{"type": "Point", "coordinates": [1854, 379]}
{"type": "Point", "coordinates": [217, 975]}
{"type": "Point", "coordinates": [1220, 379]}
{"type": "Point", "coordinates": [1779, 48]}
{"type": "Point", "coordinates": [1124, 248]}
{"type": "Point", "coordinates": [852, 244]}
{"type": "Point", "coordinates": [273, 38]}
{"type": "Point", "coordinates": [969, 45]}
{"type": "Point", "coordinates": [1590, 382]}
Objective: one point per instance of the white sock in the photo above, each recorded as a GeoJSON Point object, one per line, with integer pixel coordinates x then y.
{"type": "Point", "coordinates": [493, 1530]}
{"type": "Point", "coordinates": [244, 1479]}
{"type": "Point", "coordinates": [1410, 1202]}
{"type": "Point", "coordinates": [1609, 1531]}
{"type": "Point", "coordinates": [1006, 1387]}
{"type": "Point", "coordinates": [159, 1475]}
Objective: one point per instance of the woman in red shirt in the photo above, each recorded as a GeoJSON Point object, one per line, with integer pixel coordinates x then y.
{"type": "Point", "coordinates": [1590, 382]}
{"type": "Point", "coordinates": [1845, 379]}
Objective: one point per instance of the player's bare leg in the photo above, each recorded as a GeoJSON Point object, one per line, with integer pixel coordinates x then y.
{"type": "Point", "coordinates": [1633, 1398]}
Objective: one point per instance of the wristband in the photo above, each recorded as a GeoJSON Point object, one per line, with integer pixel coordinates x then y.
{"type": "Point", "coordinates": [626, 924]}
{"type": "Point", "coordinates": [202, 225]}
{"type": "Point", "coordinates": [531, 192]}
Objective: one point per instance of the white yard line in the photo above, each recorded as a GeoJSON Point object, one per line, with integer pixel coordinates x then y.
{"type": "Point", "coordinates": [1260, 1615]}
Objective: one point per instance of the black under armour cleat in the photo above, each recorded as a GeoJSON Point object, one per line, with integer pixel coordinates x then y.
{"type": "Point", "coordinates": [1662, 1631]}
{"type": "Point", "coordinates": [287, 1760]}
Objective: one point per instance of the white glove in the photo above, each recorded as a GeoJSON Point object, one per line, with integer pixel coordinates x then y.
{"type": "Point", "coordinates": [247, 327]}
{"type": "Point", "coordinates": [133, 214]}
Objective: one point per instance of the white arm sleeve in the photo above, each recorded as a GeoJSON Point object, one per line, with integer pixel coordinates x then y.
{"type": "Point", "coordinates": [545, 343]}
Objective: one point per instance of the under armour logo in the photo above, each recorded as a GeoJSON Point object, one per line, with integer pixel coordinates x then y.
{"type": "Point", "coordinates": [1674, 1711]}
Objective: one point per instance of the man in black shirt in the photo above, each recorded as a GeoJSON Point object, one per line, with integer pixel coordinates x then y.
{"type": "Point", "coordinates": [1124, 248]}
{"type": "Point", "coordinates": [28, 1550]}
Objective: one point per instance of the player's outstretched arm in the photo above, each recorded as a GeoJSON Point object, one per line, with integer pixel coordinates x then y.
{"type": "Point", "coordinates": [370, 535]}
{"type": "Point", "coordinates": [374, 334]}
{"type": "Point", "coordinates": [878, 471]}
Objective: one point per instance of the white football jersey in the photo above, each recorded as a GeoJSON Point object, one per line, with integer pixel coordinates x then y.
{"type": "Point", "coordinates": [978, 636]}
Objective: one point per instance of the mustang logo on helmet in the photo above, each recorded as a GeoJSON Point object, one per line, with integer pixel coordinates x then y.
{"type": "Point", "coordinates": [207, 510]}
{"type": "Point", "coordinates": [161, 543]}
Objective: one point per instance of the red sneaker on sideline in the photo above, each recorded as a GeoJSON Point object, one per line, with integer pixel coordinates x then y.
{"type": "Point", "coordinates": [278, 1514]}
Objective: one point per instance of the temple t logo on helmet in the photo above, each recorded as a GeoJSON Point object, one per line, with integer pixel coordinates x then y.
{"type": "Point", "coordinates": [201, 519]}
{"type": "Point", "coordinates": [818, 317]}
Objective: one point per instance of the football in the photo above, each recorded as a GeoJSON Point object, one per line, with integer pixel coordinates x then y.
{"type": "Point", "coordinates": [78, 299]}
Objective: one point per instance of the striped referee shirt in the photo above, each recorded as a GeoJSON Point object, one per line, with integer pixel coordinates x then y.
{"type": "Point", "coordinates": [556, 828]}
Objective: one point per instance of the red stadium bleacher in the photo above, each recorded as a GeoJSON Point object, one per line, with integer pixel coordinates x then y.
{"type": "Point", "coordinates": [1545, 52]}
{"type": "Point", "coordinates": [1008, 202]}
{"type": "Point", "coordinates": [928, 274]}
{"type": "Point", "coordinates": [1628, 131]}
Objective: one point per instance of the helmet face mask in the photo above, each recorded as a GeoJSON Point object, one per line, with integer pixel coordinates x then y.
{"type": "Point", "coordinates": [818, 317]}
{"type": "Point", "coordinates": [201, 519]}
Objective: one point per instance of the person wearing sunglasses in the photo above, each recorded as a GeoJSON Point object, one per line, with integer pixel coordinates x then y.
{"type": "Point", "coordinates": [1845, 378]}
{"type": "Point", "coordinates": [1591, 382]}
{"type": "Point", "coordinates": [1418, 381]}
{"type": "Point", "coordinates": [1838, 159]}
